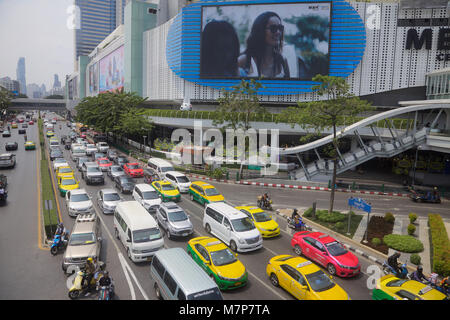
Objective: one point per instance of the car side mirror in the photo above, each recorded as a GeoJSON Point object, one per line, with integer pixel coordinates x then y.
{"type": "Point", "coordinates": [128, 240]}
{"type": "Point", "coordinates": [305, 287]}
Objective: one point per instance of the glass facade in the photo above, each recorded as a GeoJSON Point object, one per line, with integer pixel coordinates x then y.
{"type": "Point", "coordinates": [438, 85]}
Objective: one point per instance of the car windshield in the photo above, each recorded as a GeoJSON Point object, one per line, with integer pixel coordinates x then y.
{"type": "Point", "coordinates": [78, 150]}
{"type": "Point", "coordinates": [116, 169]}
{"type": "Point", "coordinates": [68, 182]}
{"type": "Point", "coordinates": [243, 224]}
{"type": "Point", "coordinates": [60, 160]}
{"type": "Point", "coordinates": [319, 281]}
{"type": "Point", "coordinates": [222, 257]}
{"type": "Point", "coordinates": [176, 216]}
{"type": "Point", "coordinates": [336, 249]}
{"type": "Point", "coordinates": [77, 239]}
{"type": "Point", "coordinates": [56, 152]}
{"type": "Point", "coordinates": [150, 195]}
{"type": "Point", "coordinates": [93, 169]}
{"type": "Point", "coordinates": [64, 170]}
{"type": "Point", "coordinates": [146, 235]}
{"type": "Point", "coordinates": [211, 192]}
{"type": "Point", "coordinates": [103, 161]}
{"type": "Point", "coordinates": [111, 197]}
{"type": "Point", "coordinates": [126, 180]}
{"type": "Point", "coordinates": [122, 159]}
{"type": "Point", "coordinates": [79, 197]}
{"type": "Point", "coordinates": [261, 217]}
{"type": "Point", "coordinates": [183, 179]}
{"type": "Point", "coordinates": [133, 166]}
{"type": "Point", "coordinates": [167, 187]}
{"type": "Point", "coordinates": [90, 146]}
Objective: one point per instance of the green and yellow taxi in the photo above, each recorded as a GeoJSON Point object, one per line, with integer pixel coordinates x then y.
{"type": "Point", "coordinates": [14, 125]}
{"type": "Point", "coordinates": [64, 171]}
{"type": "Point", "coordinates": [67, 183]}
{"type": "Point", "coordinates": [166, 190]}
{"type": "Point", "coordinates": [262, 220]}
{"type": "Point", "coordinates": [390, 287]}
{"type": "Point", "coordinates": [219, 262]}
{"type": "Point", "coordinates": [30, 145]}
{"type": "Point", "coordinates": [50, 134]}
{"type": "Point", "coordinates": [303, 279]}
{"type": "Point", "coordinates": [204, 193]}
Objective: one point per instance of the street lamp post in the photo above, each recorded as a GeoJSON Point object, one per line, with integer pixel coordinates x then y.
{"type": "Point", "coordinates": [145, 137]}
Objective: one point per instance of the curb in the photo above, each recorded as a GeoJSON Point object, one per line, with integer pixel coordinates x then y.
{"type": "Point", "coordinates": [286, 186]}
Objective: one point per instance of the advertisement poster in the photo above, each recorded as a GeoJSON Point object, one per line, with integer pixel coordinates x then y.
{"type": "Point", "coordinates": [93, 78]}
{"type": "Point", "coordinates": [112, 71]}
{"type": "Point", "coordinates": [274, 41]}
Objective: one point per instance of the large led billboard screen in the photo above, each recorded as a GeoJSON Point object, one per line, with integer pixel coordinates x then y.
{"type": "Point", "coordinates": [112, 71]}
{"type": "Point", "coordinates": [268, 41]}
{"type": "Point", "coordinates": [93, 78]}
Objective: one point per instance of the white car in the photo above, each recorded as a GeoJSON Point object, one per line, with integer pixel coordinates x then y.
{"type": "Point", "coordinates": [91, 149]}
{"type": "Point", "coordinates": [78, 201]}
{"type": "Point", "coordinates": [186, 106]}
{"type": "Point", "coordinates": [178, 180]}
{"type": "Point", "coordinates": [108, 199]}
{"type": "Point", "coordinates": [102, 147]}
{"type": "Point", "coordinates": [147, 196]}
{"type": "Point", "coordinates": [60, 162]}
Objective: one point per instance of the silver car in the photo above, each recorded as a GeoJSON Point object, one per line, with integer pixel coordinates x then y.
{"type": "Point", "coordinates": [174, 220]}
{"type": "Point", "coordinates": [107, 200]}
{"type": "Point", "coordinates": [78, 201]}
{"type": "Point", "coordinates": [115, 171]}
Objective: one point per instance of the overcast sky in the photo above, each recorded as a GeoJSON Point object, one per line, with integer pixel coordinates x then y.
{"type": "Point", "coordinates": [36, 30]}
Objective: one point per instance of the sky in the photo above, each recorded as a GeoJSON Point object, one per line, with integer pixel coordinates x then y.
{"type": "Point", "coordinates": [38, 31]}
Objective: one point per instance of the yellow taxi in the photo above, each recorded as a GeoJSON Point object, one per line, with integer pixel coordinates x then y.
{"type": "Point", "coordinates": [263, 221]}
{"type": "Point", "coordinates": [303, 279]}
{"type": "Point", "coordinates": [67, 183]}
{"type": "Point", "coordinates": [30, 145]}
{"type": "Point", "coordinates": [64, 171]}
{"type": "Point", "coordinates": [204, 193]}
{"type": "Point", "coordinates": [50, 134]}
{"type": "Point", "coordinates": [390, 287]}
{"type": "Point", "coordinates": [219, 262]}
{"type": "Point", "coordinates": [14, 125]}
{"type": "Point", "coordinates": [166, 190]}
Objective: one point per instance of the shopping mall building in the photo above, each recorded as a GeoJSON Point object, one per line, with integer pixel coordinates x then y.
{"type": "Point", "coordinates": [388, 51]}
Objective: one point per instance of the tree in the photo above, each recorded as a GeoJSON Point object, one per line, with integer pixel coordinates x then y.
{"type": "Point", "coordinates": [341, 108]}
{"type": "Point", "coordinates": [133, 122]}
{"type": "Point", "coordinates": [5, 100]}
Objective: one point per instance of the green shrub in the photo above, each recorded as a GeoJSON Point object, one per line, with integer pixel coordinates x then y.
{"type": "Point", "coordinates": [411, 229]}
{"type": "Point", "coordinates": [308, 213]}
{"type": "Point", "coordinates": [376, 241]}
{"type": "Point", "coordinates": [412, 217]}
{"type": "Point", "coordinates": [403, 243]}
{"type": "Point", "coordinates": [389, 217]}
{"type": "Point", "coordinates": [334, 217]}
{"type": "Point", "coordinates": [440, 245]}
{"type": "Point", "coordinates": [339, 225]}
{"type": "Point", "coordinates": [415, 259]}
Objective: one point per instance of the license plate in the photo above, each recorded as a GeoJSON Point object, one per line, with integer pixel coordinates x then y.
{"type": "Point", "coordinates": [185, 234]}
{"type": "Point", "coordinates": [149, 258]}
{"type": "Point", "coordinates": [238, 283]}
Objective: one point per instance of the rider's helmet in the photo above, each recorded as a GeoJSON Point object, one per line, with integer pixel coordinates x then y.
{"type": "Point", "coordinates": [106, 273]}
{"type": "Point", "coordinates": [397, 254]}
{"type": "Point", "coordinates": [419, 268]}
{"type": "Point", "coordinates": [90, 260]}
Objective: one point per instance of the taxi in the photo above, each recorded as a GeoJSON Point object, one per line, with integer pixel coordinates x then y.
{"type": "Point", "coordinates": [166, 190]}
{"type": "Point", "coordinates": [30, 145]}
{"type": "Point", "coordinates": [31, 122]}
{"type": "Point", "coordinates": [67, 183]}
{"type": "Point", "coordinates": [133, 170]}
{"type": "Point", "coordinates": [64, 171]}
{"type": "Point", "coordinates": [218, 261]}
{"type": "Point", "coordinates": [262, 221]}
{"type": "Point", "coordinates": [390, 287]}
{"type": "Point", "coordinates": [14, 125]}
{"type": "Point", "coordinates": [104, 163]}
{"type": "Point", "coordinates": [50, 134]}
{"type": "Point", "coordinates": [204, 193]}
{"type": "Point", "coordinates": [303, 279]}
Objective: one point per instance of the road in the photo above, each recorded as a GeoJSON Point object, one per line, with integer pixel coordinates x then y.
{"type": "Point", "coordinates": [19, 232]}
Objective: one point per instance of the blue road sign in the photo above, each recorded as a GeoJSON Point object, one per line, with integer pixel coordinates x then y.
{"type": "Point", "coordinates": [360, 204]}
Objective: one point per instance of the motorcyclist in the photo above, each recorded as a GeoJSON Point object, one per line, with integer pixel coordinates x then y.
{"type": "Point", "coordinates": [393, 262]}
{"type": "Point", "coordinates": [59, 229]}
{"type": "Point", "coordinates": [265, 200]}
{"type": "Point", "coordinates": [294, 214]}
{"type": "Point", "coordinates": [436, 195]}
{"type": "Point", "coordinates": [418, 275]}
{"type": "Point", "coordinates": [89, 271]}
{"type": "Point", "coordinates": [105, 280]}
{"type": "Point", "coordinates": [445, 284]}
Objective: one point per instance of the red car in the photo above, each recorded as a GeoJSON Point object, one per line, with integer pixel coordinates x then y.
{"type": "Point", "coordinates": [83, 136]}
{"type": "Point", "coordinates": [104, 163]}
{"type": "Point", "coordinates": [326, 251]}
{"type": "Point", "coordinates": [133, 170]}
{"type": "Point", "coordinates": [31, 122]}
{"type": "Point", "coordinates": [20, 120]}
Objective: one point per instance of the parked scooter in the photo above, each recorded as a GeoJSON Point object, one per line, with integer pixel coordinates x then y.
{"type": "Point", "coordinates": [59, 243]}
{"type": "Point", "coordinates": [387, 269]}
{"type": "Point", "coordinates": [79, 286]}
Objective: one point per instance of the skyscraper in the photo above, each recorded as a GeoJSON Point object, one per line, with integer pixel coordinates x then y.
{"type": "Point", "coordinates": [97, 20]}
{"type": "Point", "coordinates": [120, 10]}
{"type": "Point", "coordinates": [20, 74]}
{"type": "Point", "coordinates": [56, 82]}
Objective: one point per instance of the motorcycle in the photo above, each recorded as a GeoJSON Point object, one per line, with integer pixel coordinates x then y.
{"type": "Point", "coordinates": [429, 197]}
{"type": "Point", "coordinates": [387, 269]}
{"type": "Point", "coordinates": [106, 292]}
{"type": "Point", "coordinates": [264, 204]}
{"type": "Point", "coordinates": [79, 284]}
{"type": "Point", "coordinates": [300, 227]}
{"type": "Point", "coordinates": [59, 243]}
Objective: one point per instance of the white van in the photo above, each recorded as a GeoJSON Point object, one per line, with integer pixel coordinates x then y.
{"type": "Point", "coordinates": [137, 230]}
{"type": "Point", "coordinates": [178, 180]}
{"type": "Point", "coordinates": [160, 167]}
{"type": "Point", "coordinates": [232, 227]}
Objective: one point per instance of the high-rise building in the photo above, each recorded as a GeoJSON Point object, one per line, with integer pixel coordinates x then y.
{"type": "Point", "coordinates": [56, 82]}
{"type": "Point", "coordinates": [20, 74]}
{"type": "Point", "coordinates": [97, 21]}
{"type": "Point", "coordinates": [120, 11]}
{"type": "Point", "coordinates": [10, 85]}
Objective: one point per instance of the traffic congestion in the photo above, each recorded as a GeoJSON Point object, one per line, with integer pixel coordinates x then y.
{"type": "Point", "coordinates": [133, 230]}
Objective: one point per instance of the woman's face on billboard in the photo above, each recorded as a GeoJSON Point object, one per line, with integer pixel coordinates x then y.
{"type": "Point", "coordinates": [274, 30]}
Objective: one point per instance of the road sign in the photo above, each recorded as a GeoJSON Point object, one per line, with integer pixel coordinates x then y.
{"type": "Point", "coordinates": [360, 204]}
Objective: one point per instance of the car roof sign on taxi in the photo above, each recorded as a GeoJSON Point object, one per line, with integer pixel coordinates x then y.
{"type": "Point", "coordinates": [304, 264]}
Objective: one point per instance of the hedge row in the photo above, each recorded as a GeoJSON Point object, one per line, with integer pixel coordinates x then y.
{"type": "Point", "coordinates": [440, 245]}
